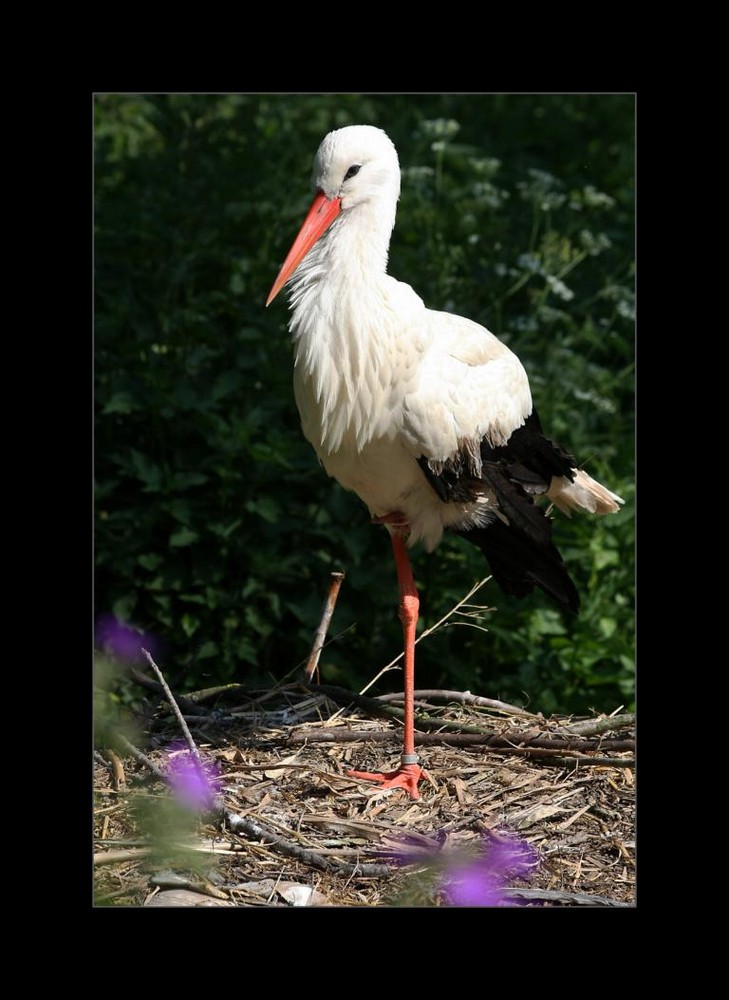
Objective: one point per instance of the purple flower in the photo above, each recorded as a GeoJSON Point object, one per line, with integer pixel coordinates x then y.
{"type": "Point", "coordinates": [195, 782]}
{"type": "Point", "coordinates": [410, 849]}
{"type": "Point", "coordinates": [122, 641]}
{"type": "Point", "coordinates": [481, 882]}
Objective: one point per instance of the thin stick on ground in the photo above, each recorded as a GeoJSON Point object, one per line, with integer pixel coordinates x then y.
{"type": "Point", "coordinates": [101, 760]}
{"type": "Point", "coordinates": [461, 698]}
{"type": "Point", "coordinates": [118, 777]}
{"type": "Point", "coordinates": [175, 708]}
{"type": "Point", "coordinates": [255, 830]}
{"type": "Point", "coordinates": [194, 752]}
{"type": "Point", "coordinates": [429, 631]}
{"type": "Point", "coordinates": [569, 898]}
{"type": "Point", "coordinates": [593, 727]}
{"type": "Point", "coordinates": [520, 741]}
{"type": "Point", "coordinates": [141, 757]}
{"type": "Point", "coordinates": [321, 633]}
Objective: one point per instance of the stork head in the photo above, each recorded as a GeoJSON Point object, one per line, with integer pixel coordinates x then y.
{"type": "Point", "coordinates": [357, 164]}
{"type": "Point", "coordinates": [354, 166]}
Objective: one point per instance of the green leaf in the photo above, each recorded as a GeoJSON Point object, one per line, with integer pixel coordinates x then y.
{"type": "Point", "coordinates": [149, 560]}
{"type": "Point", "coordinates": [265, 507]}
{"type": "Point", "coordinates": [146, 470]}
{"type": "Point", "coordinates": [185, 536]}
{"type": "Point", "coordinates": [183, 480]}
{"type": "Point", "coordinates": [121, 402]}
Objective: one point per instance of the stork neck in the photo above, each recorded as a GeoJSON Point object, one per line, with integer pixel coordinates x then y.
{"type": "Point", "coordinates": [352, 254]}
{"type": "Point", "coordinates": [338, 291]}
{"type": "Point", "coordinates": [342, 326]}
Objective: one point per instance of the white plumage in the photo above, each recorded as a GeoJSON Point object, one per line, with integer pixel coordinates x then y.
{"type": "Point", "coordinates": [427, 416]}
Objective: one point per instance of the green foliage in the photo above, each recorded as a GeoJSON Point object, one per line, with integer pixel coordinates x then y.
{"type": "Point", "coordinates": [216, 529]}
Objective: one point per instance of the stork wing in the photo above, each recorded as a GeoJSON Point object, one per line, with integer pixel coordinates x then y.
{"type": "Point", "coordinates": [470, 387]}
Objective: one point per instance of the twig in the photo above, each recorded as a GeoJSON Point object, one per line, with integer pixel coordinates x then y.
{"type": "Point", "coordinates": [244, 824]}
{"type": "Point", "coordinates": [593, 727]}
{"type": "Point", "coordinates": [462, 698]}
{"type": "Point", "coordinates": [517, 740]}
{"type": "Point", "coordinates": [576, 760]}
{"type": "Point", "coordinates": [221, 691]}
{"type": "Point", "coordinates": [173, 880]}
{"type": "Point", "coordinates": [127, 854]}
{"type": "Point", "coordinates": [178, 714]}
{"type": "Point", "coordinates": [479, 733]}
{"type": "Point", "coordinates": [189, 705]}
{"type": "Point", "coordinates": [573, 898]}
{"type": "Point", "coordinates": [321, 632]}
{"type": "Point", "coordinates": [142, 758]}
{"type": "Point", "coordinates": [102, 760]}
{"type": "Point", "coordinates": [194, 752]}
{"type": "Point", "coordinates": [118, 777]}
{"type": "Point", "coordinates": [428, 631]}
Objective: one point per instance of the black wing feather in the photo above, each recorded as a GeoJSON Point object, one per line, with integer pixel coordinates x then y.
{"type": "Point", "coordinates": [518, 542]}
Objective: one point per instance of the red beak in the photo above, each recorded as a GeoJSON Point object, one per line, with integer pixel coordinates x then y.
{"type": "Point", "coordinates": [321, 215]}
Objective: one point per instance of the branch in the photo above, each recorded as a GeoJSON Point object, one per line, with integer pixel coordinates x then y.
{"type": "Point", "coordinates": [253, 829]}
{"type": "Point", "coordinates": [194, 752]}
{"type": "Point", "coordinates": [546, 745]}
{"type": "Point", "coordinates": [102, 760]}
{"type": "Point", "coordinates": [175, 708]}
{"type": "Point", "coordinates": [593, 727]}
{"type": "Point", "coordinates": [321, 632]}
{"type": "Point", "coordinates": [429, 631]}
{"type": "Point", "coordinates": [115, 857]}
{"type": "Point", "coordinates": [142, 758]}
{"type": "Point", "coordinates": [188, 704]}
{"type": "Point", "coordinates": [480, 735]}
{"type": "Point", "coordinates": [571, 898]}
{"type": "Point", "coordinates": [461, 698]}
{"type": "Point", "coordinates": [118, 777]}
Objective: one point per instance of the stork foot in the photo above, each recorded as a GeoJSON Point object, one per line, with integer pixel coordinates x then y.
{"type": "Point", "coordinates": [406, 776]}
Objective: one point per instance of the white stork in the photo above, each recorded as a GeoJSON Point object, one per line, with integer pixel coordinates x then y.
{"type": "Point", "coordinates": [425, 415]}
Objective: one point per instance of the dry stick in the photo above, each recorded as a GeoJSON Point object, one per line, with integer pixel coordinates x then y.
{"type": "Point", "coordinates": [142, 758]}
{"type": "Point", "coordinates": [178, 714]}
{"type": "Point", "coordinates": [376, 707]}
{"type": "Point", "coordinates": [428, 631]}
{"type": "Point", "coordinates": [118, 777]}
{"type": "Point", "coordinates": [251, 828]}
{"type": "Point", "coordinates": [172, 880]}
{"type": "Point", "coordinates": [194, 752]}
{"type": "Point", "coordinates": [321, 632]}
{"type": "Point", "coordinates": [462, 698]}
{"type": "Point", "coordinates": [575, 898]}
{"type": "Point", "coordinates": [101, 760]}
{"type": "Point", "coordinates": [219, 691]}
{"type": "Point", "coordinates": [593, 727]}
{"type": "Point", "coordinates": [188, 704]}
{"type": "Point", "coordinates": [520, 744]}
{"type": "Point", "coordinates": [576, 759]}
{"type": "Point", "coordinates": [114, 857]}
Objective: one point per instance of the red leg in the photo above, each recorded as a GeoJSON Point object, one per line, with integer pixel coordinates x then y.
{"type": "Point", "coordinates": [409, 773]}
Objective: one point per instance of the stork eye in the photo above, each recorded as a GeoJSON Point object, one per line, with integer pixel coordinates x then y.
{"type": "Point", "coordinates": [353, 171]}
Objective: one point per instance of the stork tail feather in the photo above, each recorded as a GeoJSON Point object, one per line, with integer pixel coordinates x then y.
{"type": "Point", "coordinates": [583, 493]}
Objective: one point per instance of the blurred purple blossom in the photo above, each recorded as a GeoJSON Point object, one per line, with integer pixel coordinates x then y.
{"type": "Point", "coordinates": [481, 881]}
{"type": "Point", "coordinates": [123, 641]}
{"type": "Point", "coordinates": [410, 849]}
{"type": "Point", "coordinates": [195, 782]}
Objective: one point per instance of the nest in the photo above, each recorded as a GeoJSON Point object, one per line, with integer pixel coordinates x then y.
{"type": "Point", "coordinates": [289, 827]}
